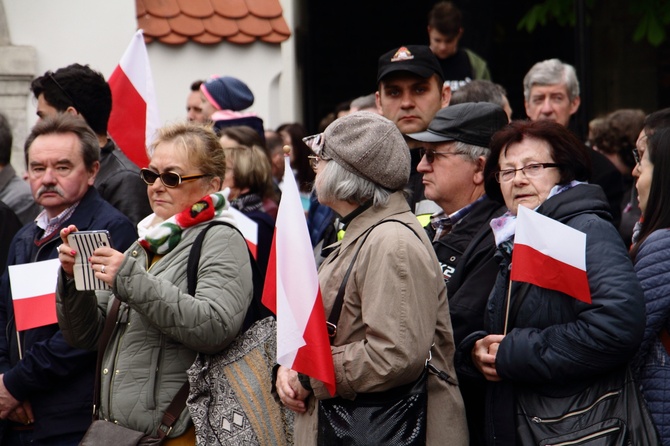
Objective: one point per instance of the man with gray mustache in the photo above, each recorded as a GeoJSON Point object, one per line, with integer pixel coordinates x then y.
{"type": "Point", "coordinates": [46, 386]}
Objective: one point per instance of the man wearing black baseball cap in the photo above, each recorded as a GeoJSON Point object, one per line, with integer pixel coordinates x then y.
{"type": "Point", "coordinates": [452, 164]}
{"type": "Point", "coordinates": [410, 90]}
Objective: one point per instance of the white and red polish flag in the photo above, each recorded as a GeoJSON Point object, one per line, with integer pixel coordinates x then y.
{"type": "Point", "coordinates": [34, 293]}
{"type": "Point", "coordinates": [248, 228]}
{"type": "Point", "coordinates": [134, 118]}
{"type": "Point", "coordinates": [292, 292]}
{"type": "Point", "coordinates": [549, 254]}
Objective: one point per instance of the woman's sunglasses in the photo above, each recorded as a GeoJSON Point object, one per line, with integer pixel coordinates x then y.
{"type": "Point", "coordinates": [169, 179]}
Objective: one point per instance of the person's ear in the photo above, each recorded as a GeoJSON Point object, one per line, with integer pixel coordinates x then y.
{"type": "Point", "coordinates": [446, 94]}
{"type": "Point", "coordinates": [378, 102]}
{"type": "Point", "coordinates": [93, 172]}
{"type": "Point", "coordinates": [574, 105]}
{"type": "Point", "coordinates": [479, 171]}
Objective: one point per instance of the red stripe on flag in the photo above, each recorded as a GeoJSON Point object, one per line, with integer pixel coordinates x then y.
{"type": "Point", "coordinates": [252, 248]}
{"type": "Point", "coordinates": [269, 298]}
{"type": "Point", "coordinates": [530, 265]}
{"type": "Point", "coordinates": [310, 359]}
{"type": "Point", "coordinates": [33, 312]}
{"type": "Point", "coordinates": [128, 121]}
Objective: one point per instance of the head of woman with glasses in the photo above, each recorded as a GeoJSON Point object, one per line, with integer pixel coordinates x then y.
{"type": "Point", "coordinates": [394, 311]}
{"type": "Point", "coordinates": [161, 324]}
{"type": "Point", "coordinates": [539, 339]}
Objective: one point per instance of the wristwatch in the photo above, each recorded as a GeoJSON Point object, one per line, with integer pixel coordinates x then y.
{"type": "Point", "coordinates": [304, 381]}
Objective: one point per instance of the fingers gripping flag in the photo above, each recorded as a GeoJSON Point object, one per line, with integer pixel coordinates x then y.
{"type": "Point", "coordinates": [292, 292]}
{"type": "Point", "coordinates": [549, 254]}
{"type": "Point", "coordinates": [134, 118]}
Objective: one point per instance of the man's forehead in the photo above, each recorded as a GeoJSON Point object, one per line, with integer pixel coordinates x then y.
{"type": "Point", "coordinates": [541, 90]}
{"type": "Point", "coordinates": [402, 77]}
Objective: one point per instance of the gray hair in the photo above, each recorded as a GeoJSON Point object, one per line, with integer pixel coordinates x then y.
{"type": "Point", "coordinates": [338, 184]}
{"type": "Point", "coordinates": [551, 72]}
{"type": "Point", "coordinates": [471, 151]}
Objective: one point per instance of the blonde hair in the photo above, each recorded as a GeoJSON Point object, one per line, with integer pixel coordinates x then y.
{"type": "Point", "coordinates": [198, 142]}
{"type": "Point", "coordinates": [251, 169]}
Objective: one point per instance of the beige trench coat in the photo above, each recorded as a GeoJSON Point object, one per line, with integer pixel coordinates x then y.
{"type": "Point", "coordinates": [395, 307]}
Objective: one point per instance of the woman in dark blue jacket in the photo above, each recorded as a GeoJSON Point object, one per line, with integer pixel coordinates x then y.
{"type": "Point", "coordinates": [651, 254]}
{"type": "Point", "coordinates": [554, 344]}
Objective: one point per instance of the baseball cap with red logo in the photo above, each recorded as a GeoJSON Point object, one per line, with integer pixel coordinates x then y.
{"type": "Point", "coordinates": [417, 59]}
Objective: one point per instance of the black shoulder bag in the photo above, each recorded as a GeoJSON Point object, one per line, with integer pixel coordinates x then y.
{"type": "Point", "coordinates": [396, 416]}
{"type": "Point", "coordinates": [610, 411]}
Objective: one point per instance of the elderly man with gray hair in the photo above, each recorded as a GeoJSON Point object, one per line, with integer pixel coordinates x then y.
{"type": "Point", "coordinates": [551, 91]}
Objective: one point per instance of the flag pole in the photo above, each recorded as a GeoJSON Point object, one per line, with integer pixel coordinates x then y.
{"type": "Point", "coordinates": [18, 344]}
{"type": "Point", "coordinates": [509, 298]}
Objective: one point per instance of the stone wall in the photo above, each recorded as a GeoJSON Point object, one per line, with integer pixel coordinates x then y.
{"type": "Point", "coordinates": [17, 70]}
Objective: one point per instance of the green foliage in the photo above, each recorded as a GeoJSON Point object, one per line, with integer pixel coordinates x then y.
{"type": "Point", "coordinates": [654, 17]}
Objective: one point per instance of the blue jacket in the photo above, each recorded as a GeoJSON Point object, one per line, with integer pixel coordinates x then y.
{"type": "Point", "coordinates": [56, 378]}
{"type": "Point", "coordinates": [652, 362]}
{"type": "Point", "coordinates": [557, 343]}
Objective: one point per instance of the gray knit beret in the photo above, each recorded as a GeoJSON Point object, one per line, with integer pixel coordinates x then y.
{"type": "Point", "coordinates": [370, 146]}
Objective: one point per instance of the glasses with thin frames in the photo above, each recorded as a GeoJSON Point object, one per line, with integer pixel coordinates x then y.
{"type": "Point", "coordinates": [314, 142]}
{"type": "Point", "coordinates": [530, 171]}
{"type": "Point", "coordinates": [64, 91]}
{"type": "Point", "coordinates": [636, 156]}
{"type": "Point", "coordinates": [169, 179]}
{"type": "Point", "coordinates": [430, 154]}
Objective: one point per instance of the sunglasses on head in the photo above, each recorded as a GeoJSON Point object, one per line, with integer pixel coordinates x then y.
{"type": "Point", "coordinates": [169, 179]}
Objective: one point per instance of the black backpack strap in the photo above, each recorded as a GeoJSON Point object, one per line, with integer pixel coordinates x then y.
{"type": "Point", "coordinates": [256, 310]}
{"type": "Point", "coordinates": [334, 315]}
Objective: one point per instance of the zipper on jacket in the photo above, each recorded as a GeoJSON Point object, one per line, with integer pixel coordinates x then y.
{"type": "Point", "coordinates": [592, 436]}
{"type": "Point", "coordinates": [539, 420]}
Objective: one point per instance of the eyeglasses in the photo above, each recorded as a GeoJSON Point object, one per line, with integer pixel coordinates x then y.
{"type": "Point", "coordinates": [169, 179]}
{"type": "Point", "coordinates": [315, 142]}
{"type": "Point", "coordinates": [530, 171]}
{"type": "Point", "coordinates": [314, 161]}
{"type": "Point", "coordinates": [430, 154]}
{"type": "Point", "coordinates": [64, 91]}
{"type": "Point", "coordinates": [636, 155]}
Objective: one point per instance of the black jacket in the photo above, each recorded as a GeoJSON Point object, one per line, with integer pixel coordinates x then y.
{"type": "Point", "coordinates": [56, 378]}
{"type": "Point", "coordinates": [558, 344]}
{"type": "Point", "coordinates": [119, 182]}
{"type": "Point", "coordinates": [467, 260]}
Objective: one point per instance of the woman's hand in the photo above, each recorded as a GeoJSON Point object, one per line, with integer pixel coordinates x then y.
{"type": "Point", "coordinates": [106, 262]}
{"type": "Point", "coordinates": [291, 393]}
{"type": "Point", "coordinates": [65, 252]}
{"type": "Point", "coordinates": [484, 356]}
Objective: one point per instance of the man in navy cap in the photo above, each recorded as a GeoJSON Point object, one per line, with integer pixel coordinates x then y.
{"type": "Point", "coordinates": [410, 90]}
{"type": "Point", "coordinates": [452, 163]}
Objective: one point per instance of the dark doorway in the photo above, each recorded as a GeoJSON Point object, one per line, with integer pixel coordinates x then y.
{"type": "Point", "coordinates": [339, 44]}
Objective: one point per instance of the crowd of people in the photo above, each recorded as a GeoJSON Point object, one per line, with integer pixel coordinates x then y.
{"type": "Point", "coordinates": [411, 195]}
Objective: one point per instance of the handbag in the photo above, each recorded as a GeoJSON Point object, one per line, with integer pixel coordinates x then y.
{"type": "Point", "coordinates": [396, 416]}
{"type": "Point", "coordinates": [230, 400]}
{"type": "Point", "coordinates": [104, 433]}
{"type": "Point", "coordinates": [611, 412]}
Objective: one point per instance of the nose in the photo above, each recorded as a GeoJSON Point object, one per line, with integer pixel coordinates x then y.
{"type": "Point", "coordinates": [407, 99]}
{"type": "Point", "coordinates": [546, 107]}
{"type": "Point", "coordinates": [49, 176]}
{"type": "Point", "coordinates": [424, 166]}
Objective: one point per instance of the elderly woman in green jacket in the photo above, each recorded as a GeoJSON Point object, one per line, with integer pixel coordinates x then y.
{"type": "Point", "coordinates": [160, 327]}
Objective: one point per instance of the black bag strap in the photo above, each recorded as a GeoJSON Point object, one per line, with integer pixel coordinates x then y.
{"type": "Point", "coordinates": [256, 310]}
{"type": "Point", "coordinates": [335, 312]}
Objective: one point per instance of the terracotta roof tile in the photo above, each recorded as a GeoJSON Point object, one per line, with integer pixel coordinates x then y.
{"type": "Point", "coordinates": [207, 38]}
{"type": "Point", "coordinates": [196, 8]}
{"type": "Point", "coordinates": [186, 26]}
{"type": "Point", "coordinates": [267, 9]}
{"type": "Point", "coordinates": [208, 22]}
{"type": "Point", "coordinates": [234, 9]}
{"type": "Point", "coordinates": [223, 27]}
{"type": "Point", "coordinates": [254, 26]}
{"type": "Point", "coordinates": [241, 38]}
{"type": "Point", "coordinates": [162, 8]}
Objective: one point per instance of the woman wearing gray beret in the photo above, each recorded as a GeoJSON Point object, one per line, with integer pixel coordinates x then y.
{"type": "Point", "coordinates": [394, 314]}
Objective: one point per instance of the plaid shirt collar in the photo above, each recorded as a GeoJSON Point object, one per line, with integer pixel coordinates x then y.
{"type": "Point", "coordinates": [443, 223]}
{"type": "Point", "coordinates": [51, 225]}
